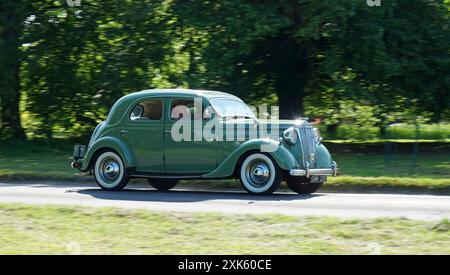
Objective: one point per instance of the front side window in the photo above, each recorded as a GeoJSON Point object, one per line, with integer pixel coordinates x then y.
{"type": "Point", "coordinates": [147, 110]}
{"type": "Point", "coordinates": [229, 108]}
{"type": "Point", "coordinates": [181, 107]}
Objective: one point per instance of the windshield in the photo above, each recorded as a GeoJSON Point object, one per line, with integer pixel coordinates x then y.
{"type": "Point", "coordinates": [231, 108]}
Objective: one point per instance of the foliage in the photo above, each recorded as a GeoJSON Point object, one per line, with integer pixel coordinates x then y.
{"type": "Point", "coordinates": [63, 67]}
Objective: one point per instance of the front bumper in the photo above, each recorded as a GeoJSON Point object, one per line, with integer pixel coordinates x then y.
{"type": "Point", "coordinates": [333, 171]}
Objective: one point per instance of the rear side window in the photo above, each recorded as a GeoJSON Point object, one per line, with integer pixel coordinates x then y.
{"type": "Point", "coordinates": [147, 110]}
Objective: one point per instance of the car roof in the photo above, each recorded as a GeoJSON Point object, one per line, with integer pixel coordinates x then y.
{"type": "Point", "coordinates": [123, 103]}
{"type": "Point", "coordinates": [180, 92]}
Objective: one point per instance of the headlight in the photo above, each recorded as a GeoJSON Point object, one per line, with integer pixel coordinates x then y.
{"type": "Point", "coordinates": [290, 136]}
{"type": "Point", "coordinates": [317, 137]}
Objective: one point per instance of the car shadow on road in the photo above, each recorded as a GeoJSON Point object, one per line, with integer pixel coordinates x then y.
{"type": "Point", "coordinates": [150, 195]}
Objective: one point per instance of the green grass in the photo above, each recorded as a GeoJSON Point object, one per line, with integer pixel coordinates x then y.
{"type": "Point", "coordinates": [427, 165]}
{"type": "Point", "coordinates": [430, 172]}
{"type": "Point", "coordinates": [63, 230]}
{"type": "Point", "coordinates": [399, 131]}
{"type": "Point", "coordinates": [20, 160]}
{"type": "Point", "coordinates": [425, 131]}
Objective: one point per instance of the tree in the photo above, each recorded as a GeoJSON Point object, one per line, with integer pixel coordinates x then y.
{"type": "Point", "coordinates": [12, 18]}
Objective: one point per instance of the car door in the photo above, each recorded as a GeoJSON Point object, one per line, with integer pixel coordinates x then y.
{"type": "Point", "coordinates": [144, 131]}
{"type": "Point", "coordinates": [187, 157]}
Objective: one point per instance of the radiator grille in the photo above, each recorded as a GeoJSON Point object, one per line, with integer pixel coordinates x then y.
{"type": "Point", "coordinates": [306, 136]}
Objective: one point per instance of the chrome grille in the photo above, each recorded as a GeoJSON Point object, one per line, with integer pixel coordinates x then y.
{"type": "Point", "coordinates": [306, 136]}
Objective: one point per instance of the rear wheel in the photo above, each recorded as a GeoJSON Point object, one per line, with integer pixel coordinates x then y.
{"type": "Point", "coordinates": [302, 185]}
{"type": "Point", "coordinates": [163, 184]}
{"type": "Point", "coordinates": [259, 174]}
{"type": "Point", "coordinates": [109, 172]}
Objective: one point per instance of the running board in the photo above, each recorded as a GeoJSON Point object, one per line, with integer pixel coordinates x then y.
{"type": "Point", "coordinates": [159, 176]}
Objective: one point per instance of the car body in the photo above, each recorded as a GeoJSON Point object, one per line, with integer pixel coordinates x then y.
{"type": "Point", "coordinates": [137, 140]}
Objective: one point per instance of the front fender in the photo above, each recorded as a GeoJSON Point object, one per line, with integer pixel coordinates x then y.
{"type": "Point", "coordinates": [109, 143]}
{"type": "Point", "coordinates": [282, 156]}
{"type": "Point", "coordinates": [323, 157]}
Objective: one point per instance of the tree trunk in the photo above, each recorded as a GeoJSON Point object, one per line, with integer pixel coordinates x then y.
{"type": "Point", "coordinates": [292, 76]}
{"type": "Point", "coordinates": [332, 129]}
{"type": "Point", "coordinates": [290, 101]}
{"type": "Point", "coordinates": [11, 58]}
{"type": "Point", "coordinates": [10, 113]}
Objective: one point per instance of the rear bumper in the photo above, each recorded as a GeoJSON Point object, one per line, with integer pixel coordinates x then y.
{"type": "Point", "coordinates": [333, 171]}
{"type": "Point", "coordinates": [79, 152]}
{"type": "Point", "coordinates": [77, 164]}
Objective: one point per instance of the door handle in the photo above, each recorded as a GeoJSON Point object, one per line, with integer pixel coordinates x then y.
{"type": "Point", "coordinates": [168, 132]}
{"type": "Point", "coordinates": [123, 132]}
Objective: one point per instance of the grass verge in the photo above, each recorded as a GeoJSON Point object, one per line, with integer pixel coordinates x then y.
{"type": "Point", "coordinates": [63, 230]}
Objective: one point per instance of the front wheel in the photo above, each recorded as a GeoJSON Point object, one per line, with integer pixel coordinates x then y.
{"type": "Point", "coordinates": [259, 174]}
{"type": "Point", "coordinates": [302, 185]}
{"type": "Point", "coordinates": [109, 172]}
{"type": "Point", "coordinates": [163, 184]}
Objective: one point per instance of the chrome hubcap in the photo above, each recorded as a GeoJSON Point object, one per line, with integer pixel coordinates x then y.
{"type": "Point", "coordinates": [110, 170]}
{"type": "Point", "coordinates": [257, 173]}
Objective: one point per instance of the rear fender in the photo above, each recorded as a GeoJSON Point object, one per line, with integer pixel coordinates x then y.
{"type": "Point", "coordinates": [105, 144]}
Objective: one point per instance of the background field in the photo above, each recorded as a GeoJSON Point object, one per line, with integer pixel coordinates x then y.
{"type": "Point", "coordinates": [363, 165]}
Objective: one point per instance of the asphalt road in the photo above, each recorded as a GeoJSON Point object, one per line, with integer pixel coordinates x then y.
{"type": "Point", "coordinates": [345, 205]}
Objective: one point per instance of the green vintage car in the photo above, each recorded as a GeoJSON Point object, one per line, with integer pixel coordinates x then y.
{"type": "Point", "coordinates": [165, 135]}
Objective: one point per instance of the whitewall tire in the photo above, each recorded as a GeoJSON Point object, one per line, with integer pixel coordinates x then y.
{"type": "Point", "coordinates": [259, 174]}
{"type": "Point", "coordinates": [109, 172]}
